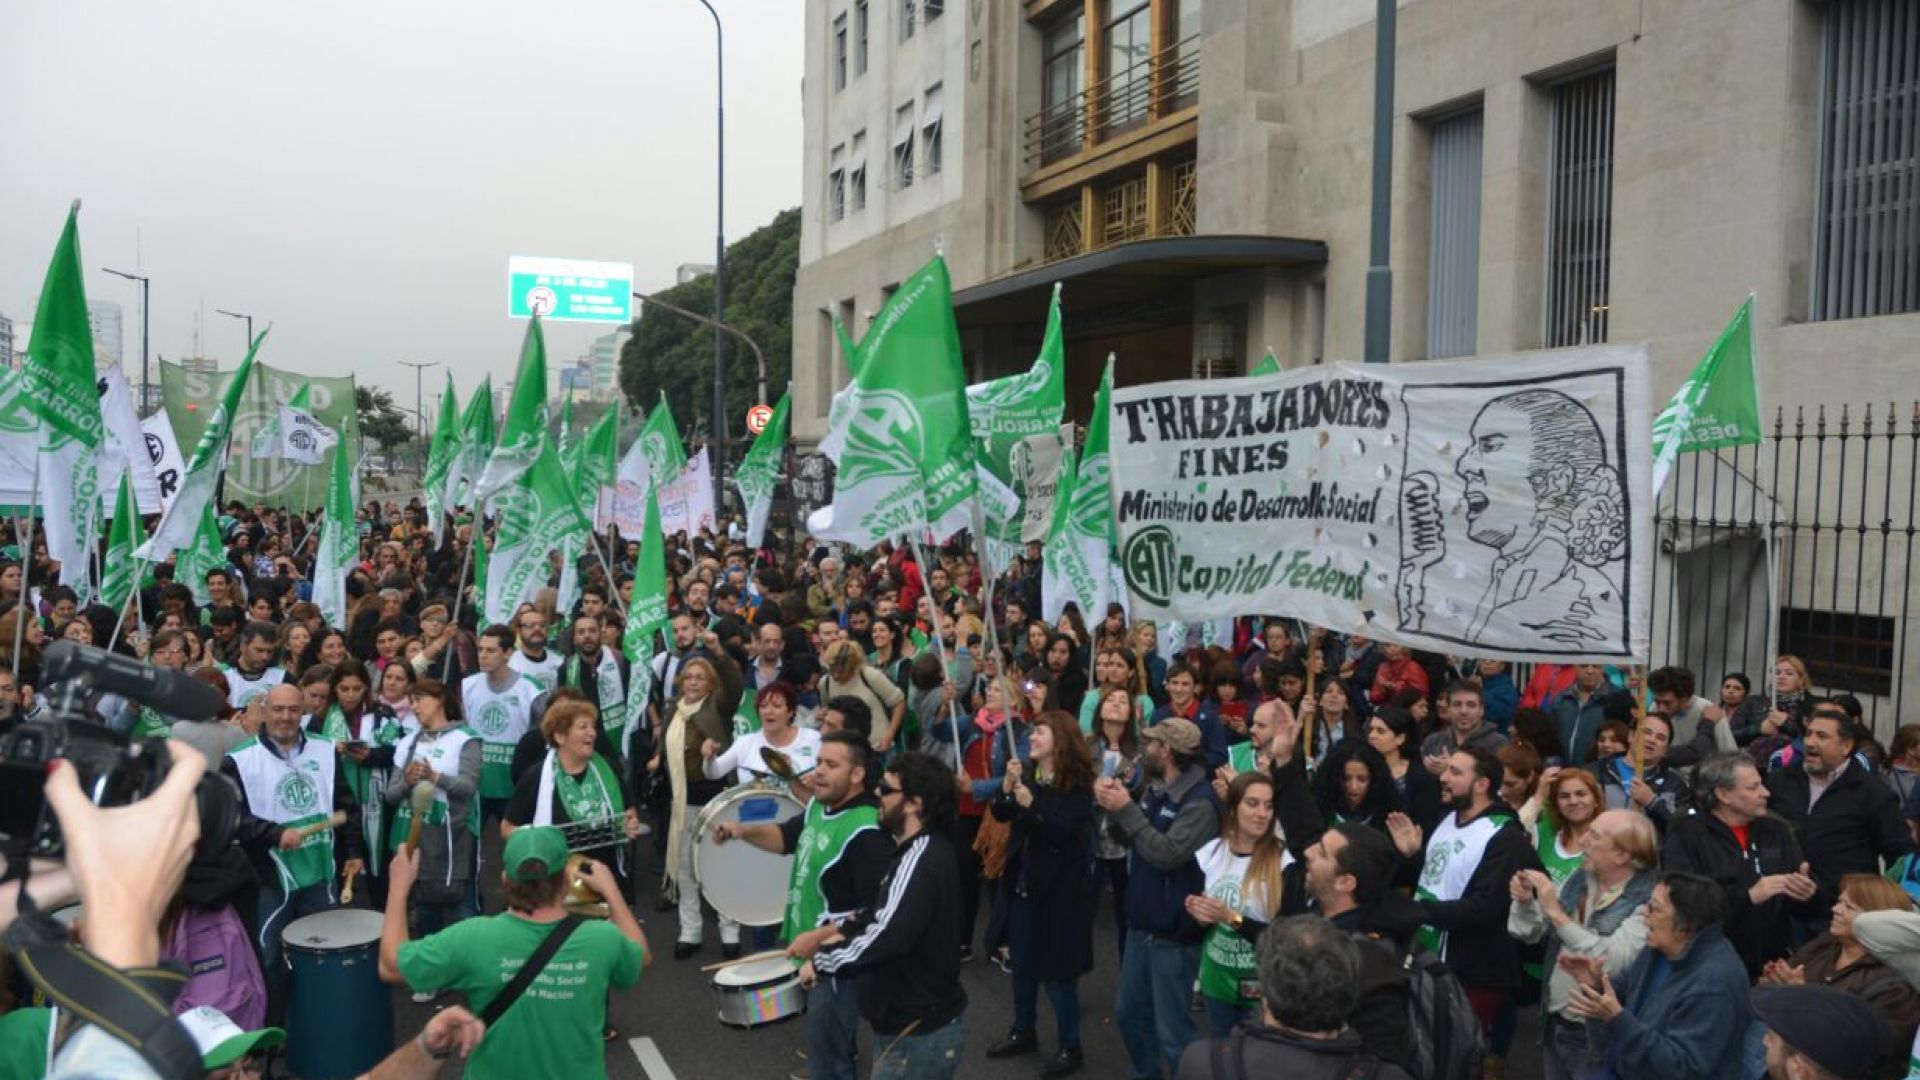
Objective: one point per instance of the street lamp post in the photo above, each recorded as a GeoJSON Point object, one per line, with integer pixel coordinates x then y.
{"type": "Point", "coordinates": [759, 358]}
{"type": "Point", "coordinates": [145, 307]}
{"type": "Point", "coordinates": [248, 319]}
{"type": "Point", "coordinates": [718, 428]}
{"type": "Point", "coordinates": [419, 402]}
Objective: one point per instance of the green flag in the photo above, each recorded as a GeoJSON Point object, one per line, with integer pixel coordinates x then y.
{"type": "Point", "coordinates": [1268, 365]}
{"type": "Point", "coordinates": [118, 578]}
{"type": "Point", "coordinates": [1079, 544]}
{"type": "Point", "coordinates": [1719, 404]}
{"type": "Point", "coordinates": [442, 475]}
{"type": "Point", "coordinates": [203, 551]}
{"type": "Point", "coordinates": [596, 461]}
{"type": "Point", "coordinates": [476, 437]}
{"type": "Point", "coordinates": [840, 410]}
{"type": "Point", "coordinates": [759, 471]}
{"type": "Point", "coordinates": [57, 386]}
{"type": "Point", "coordinates": [537, 514]}
{"type": "Point", "coordinates": [266, 441]}
{"type": "Point", "coordinates": [908, 461]}
{"type": "Point", "coordinates": [178, 524]}
{"type": "Point", "coordinates": [648, 611]}
{"type": "Point", "coordinates": [339, 547]}
{"type": "Point", "coordinates": [660, 445]}
{"type": "Point", "coordinates": [524, 430]}
{"type": "Point", "coordinates": [1006, 412]}
{"type": "Point", "coordinates": [566, 425]}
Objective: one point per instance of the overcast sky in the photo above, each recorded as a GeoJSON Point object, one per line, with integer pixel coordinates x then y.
{"type": "Point", "coordinates": [357, 172]}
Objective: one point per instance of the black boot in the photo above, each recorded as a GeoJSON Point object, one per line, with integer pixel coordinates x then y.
{"type": "Point", "coordinates": [1065, 1062]}
{"type": "Point", "coordinates": [1017, 1042]}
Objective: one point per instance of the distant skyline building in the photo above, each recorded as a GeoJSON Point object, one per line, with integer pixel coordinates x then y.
{"type": "Point", "coordinates": [107, 319]}
{"type": "Point", "coordinates": [6, 342]}
{"type": "Point", "coordinates": [686, 272]}
{"type": "Point", "coordinates": [604, 356]}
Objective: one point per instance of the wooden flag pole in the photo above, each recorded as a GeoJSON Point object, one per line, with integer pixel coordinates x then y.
{"type": "Point", "coordinates": [26, 571]}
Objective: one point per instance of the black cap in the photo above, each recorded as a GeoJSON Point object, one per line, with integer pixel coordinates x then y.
{"type": "Point", "coordinates": [1840, 1032]}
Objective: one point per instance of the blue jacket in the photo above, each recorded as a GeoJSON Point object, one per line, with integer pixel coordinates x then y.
{"type": "Point", "coordinates": [1213, 735]}
{"type": "Point", "coordinates": [1578, 722]}
{"type": "Point", "coordinates": [1684, 1019]}
{"type": "Point", "coordinates": [1500, 698]}
{"type": "Point", "coordinates": [1164, 829]}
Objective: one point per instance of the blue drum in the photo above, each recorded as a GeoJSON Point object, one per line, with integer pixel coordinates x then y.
{"type": "Point", "coordinates": [340, 1015]}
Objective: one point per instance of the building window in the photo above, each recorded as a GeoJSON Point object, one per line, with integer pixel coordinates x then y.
{"type": "Point", "coordinates": [932, 9]}
{"type": "Point", "coordinates": [1579, 212]}
{"type": "Point", "coordinates": [930, 131]}
{"type": "Point", "coordinates": [1125, 211]}
{"type": "Point", "coordinates": [1129, 63]}
{"type": "Point", "coordinates": [906, 18]}
{"type": "Point", "coordinates": [1453, 256]}
{"type": "Point", "coordinates": [837, 184]}
{"type": "Point", "coordinates": [1064, 229]}
{"type": "Point", "coordinates": [1866, 249]}
{"type": "Point", "coordinates": [1183, 217]}
{"type": "Point", "coordinates": [840, 53]}
{"type": "Point", "coordinates": [1063, 85]}
{"type": "Point", "coordinates": [860, 38]}
{"type": "Point", "coordinates": [1844, 651]}
{"type": "Point", "coordinates": [903, 147]}
{"type": "Point", "coordinates": [857, 173]}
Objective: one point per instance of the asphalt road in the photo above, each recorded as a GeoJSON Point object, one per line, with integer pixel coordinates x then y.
{"type": "Point", "coordinates": [669, 1028]}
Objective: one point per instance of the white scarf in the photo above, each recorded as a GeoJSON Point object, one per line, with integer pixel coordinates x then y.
{"type": "Point", "coordinates": [677, 734]}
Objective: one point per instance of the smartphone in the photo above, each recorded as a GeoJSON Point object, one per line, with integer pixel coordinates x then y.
{"type": "Point", "coordinates": [1109, 764]}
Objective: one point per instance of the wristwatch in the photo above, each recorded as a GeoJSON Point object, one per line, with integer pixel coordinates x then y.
{"type": "Point", "coordinates": [1234, 919]}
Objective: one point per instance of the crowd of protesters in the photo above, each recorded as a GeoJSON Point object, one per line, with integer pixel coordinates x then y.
{"type": "Point", "coordinates": [1677, 879]}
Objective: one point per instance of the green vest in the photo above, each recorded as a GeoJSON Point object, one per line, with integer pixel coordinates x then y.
{"type": "Point", "coordinates": [823, 839]}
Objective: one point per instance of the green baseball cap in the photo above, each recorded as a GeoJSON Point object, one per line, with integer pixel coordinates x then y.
{"type": "Point", "coordinates": [221, 1041]}
{"type": "Point", "coordinates": [535, 843]}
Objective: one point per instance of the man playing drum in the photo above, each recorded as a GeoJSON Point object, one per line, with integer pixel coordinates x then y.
{"type": "Point", "coordinates": [839, 854]}
{"type": "Point", "coordinates": [555, 1027]}
{"type": "Point", "coordinates": [291, 783]}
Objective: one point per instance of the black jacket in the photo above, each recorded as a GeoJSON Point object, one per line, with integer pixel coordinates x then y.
{"type": "Point", "coordinates": [1383, 932]}
{"type": "Point", "coordinates": [902, 945]}
{"type": "Point", "coordinates": [1703, 844]}
{"type": "Point", "coordinates": [1855, 825]}
{"type": "Point", "coordinates": [1048, 863]}
{"type": "Point", "coordinates": [1478, 947]}
{"type": "Point", "coordinates": [1267, 1051]}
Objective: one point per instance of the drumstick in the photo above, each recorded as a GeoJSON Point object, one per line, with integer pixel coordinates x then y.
{"type": "Point", "coordinates": [338, 819]}
{"type": "Point", "coordinates": [768, 955]}
{"type": "Point", "coordinates": [420, 801]}
{"type": "Point", "coordinates": [346, 891]}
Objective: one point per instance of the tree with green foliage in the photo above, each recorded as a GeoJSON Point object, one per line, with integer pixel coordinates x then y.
{"type": "Point", "coordinates": [673, 354]}
{"type": "Point", "coordinates": [380, 419]}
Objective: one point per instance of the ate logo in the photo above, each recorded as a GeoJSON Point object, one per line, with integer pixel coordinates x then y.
{"type": "Point", "coordinates": [297, 794]}
{"type": "Point", "coordinates": [492, 719]}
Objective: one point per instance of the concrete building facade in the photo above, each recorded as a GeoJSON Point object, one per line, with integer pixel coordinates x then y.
{"type": "Point", "coordinates": [108, 321]}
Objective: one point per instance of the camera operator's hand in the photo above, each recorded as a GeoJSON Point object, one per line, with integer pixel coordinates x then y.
{"type": "Point", "coordinates": [129, 860]}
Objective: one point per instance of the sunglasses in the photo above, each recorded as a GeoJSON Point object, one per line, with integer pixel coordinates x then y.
{"type": "Point", "coordinates": [885, 789]}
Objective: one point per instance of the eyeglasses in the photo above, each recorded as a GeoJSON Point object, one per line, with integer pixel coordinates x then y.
{"type": "Point", "coordinates": [885, 789]}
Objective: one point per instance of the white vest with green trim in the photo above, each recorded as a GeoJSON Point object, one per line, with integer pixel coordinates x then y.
{"type": "Point", "coordinates": [500, 719]}
{"type": "Point", "coordinates": [293, 791]}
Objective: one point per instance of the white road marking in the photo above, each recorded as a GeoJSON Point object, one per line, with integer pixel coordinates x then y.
{"type": "Point", "coordinates": [651, 1062]}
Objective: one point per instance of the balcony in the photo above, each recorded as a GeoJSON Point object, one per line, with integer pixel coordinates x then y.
{"type": "Point", "coordinates": [1162, 200]}
{"type": "Point", "coordinates": [1137, 97]}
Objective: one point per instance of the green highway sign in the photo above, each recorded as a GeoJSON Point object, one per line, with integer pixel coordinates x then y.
{"type": "Point", "coordinates": [569, 290]}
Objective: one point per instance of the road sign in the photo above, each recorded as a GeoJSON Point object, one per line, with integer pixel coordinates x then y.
{"type": "Point", "coordinates": [757, 417]}
{"type": "Point", "coordinates": [569, 290]}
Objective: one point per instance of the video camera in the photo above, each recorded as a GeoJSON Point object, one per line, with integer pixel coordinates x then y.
{"type": "Point", "coordinates": [113, 770]}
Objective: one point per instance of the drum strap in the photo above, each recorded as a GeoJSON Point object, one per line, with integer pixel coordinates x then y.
{"type": "Point", "coordinates": [530, 970]}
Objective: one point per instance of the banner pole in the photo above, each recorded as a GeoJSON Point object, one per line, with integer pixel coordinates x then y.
{"type": "Point", "coordinates": [120, 620]}
{"type": "Point", "coordinates": [939, 643]}
{"type": "Point", "coordinates": [26, 570]}
{"type": "Point", "coordinates": [460, 592]}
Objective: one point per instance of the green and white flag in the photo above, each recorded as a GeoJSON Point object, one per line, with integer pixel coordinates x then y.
{"type": "Point", "coordinates": [339, 547]}
{"type": "Point", "coordinates": [476, 440]}
{"type": "Point", "coordinates": [840, 410]}
{"type": "Point", "coordinates": [759, 472]}
{"type": "Point", "coordinates": [908, 460]}
{"type": "Point", "coordinates": [182, 519]}
{"type": "Point", "coordinates": [599, 467]}
{"type": "Point", "coordinates": [1005, 413]}
{"type": "Point", "coordinates": [1079, 545]}
{"type": "Point", "coordinates": [566, 426]}
{"type": "Point", "coordinates": [442, 462]}
{"type": "Point", "coordinates": [537, 514]}
{"type": "Point", "coordinates": [648, 611]}
{"type": "Point", "coordinates": [293, 433]}
{"type": "Point", "coordinates": [203, 551]}
{"type": "Point", "coordinates": [1719, 404]}
{"type": "Point", "coordinates": [524, 430]}
{"type": "Point", "coordinates": [1268, 365]}
{"type": "Point", "coordinates": [660, 445]}
{"type": "Point", "coordinates": [118, 577]}
{"type": "Point", "coordinates": [57, 386]}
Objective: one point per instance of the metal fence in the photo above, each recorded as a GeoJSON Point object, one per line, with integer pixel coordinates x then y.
{"type": "Point", "coordinates": [1807, 540]}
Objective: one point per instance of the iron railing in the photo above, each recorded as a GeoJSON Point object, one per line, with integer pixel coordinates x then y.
{"type": "Point", "coordinates": [1163, 83]}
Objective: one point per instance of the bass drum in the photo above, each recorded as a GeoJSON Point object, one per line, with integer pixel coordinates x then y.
{"type": "Point", "coordinates": [741, 881]}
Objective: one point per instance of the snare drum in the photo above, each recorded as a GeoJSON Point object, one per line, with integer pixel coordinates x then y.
{"type": "Point", "coordinates": [759, 992]}
{"type": "Point", "coordinates": [741, 881]}
{"type": "Point", "coordinates": [340, 1015]}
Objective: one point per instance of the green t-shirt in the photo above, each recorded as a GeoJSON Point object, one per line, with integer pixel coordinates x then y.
{"type": "Point", "coordinates": [23, 1043]}
{"type": "Point", "coordinates": [555, 1028]}
{"type": "Point", "coordinates": [1559, 867]}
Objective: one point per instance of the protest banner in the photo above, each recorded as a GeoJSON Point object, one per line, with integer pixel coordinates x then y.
{"type": "Point", "coordinates": [191, 398]}
{"type": "Point", "coordinates": [1494, 508]}
{"type": "Point", "coordinates": [686, 501]}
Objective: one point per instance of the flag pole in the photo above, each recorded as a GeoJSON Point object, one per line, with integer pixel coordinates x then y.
{"type": "Point", "coordinates": [26, 571]}
{"type": "Point", "coordinates": [939, 643]}
{"type": "Point", "coordinates": [460, 591]}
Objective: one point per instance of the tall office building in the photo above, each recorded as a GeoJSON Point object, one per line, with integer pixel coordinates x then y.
{"type": "Point", "coordinates": [6, 342]}
{"type": "Point", "coordinates": [604, 357]}
{"type": "Point", "coordinates": [107, 319]}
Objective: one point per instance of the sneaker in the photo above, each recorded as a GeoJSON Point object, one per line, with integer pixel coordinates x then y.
{"type": "Point", "coordinates": [966, 953]}
{"type": "Point", "coordinates": [1003, 959]}
{"type": "Point", "coordinates": [425, 997]}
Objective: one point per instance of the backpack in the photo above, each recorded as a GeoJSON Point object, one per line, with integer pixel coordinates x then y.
{"type": "Point", "coordinates": [1444, 1041]}
{"type": "Point", "coordinates": [1227, 1060]}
